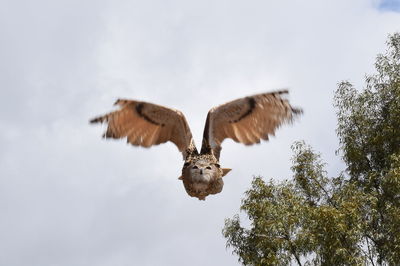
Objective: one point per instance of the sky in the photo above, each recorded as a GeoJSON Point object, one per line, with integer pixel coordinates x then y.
{"type": "Point", "coordinates": [390, 5]}
{"type": "Point", "coordinates": [68, 197]}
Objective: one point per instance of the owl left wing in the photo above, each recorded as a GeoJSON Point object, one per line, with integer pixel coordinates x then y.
{"type": "Point", "coordinates": [146, 124]}
{"type": "Point", "coordinates": [247, 120]}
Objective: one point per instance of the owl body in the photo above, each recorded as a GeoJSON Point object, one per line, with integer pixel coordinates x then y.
{"type": "Point", "coordinates": [202, 175]}
{"type": "Point", "coordinates": [246, 120]}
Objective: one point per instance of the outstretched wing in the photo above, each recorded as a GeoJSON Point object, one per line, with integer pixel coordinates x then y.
{"type": "Point", "coordinates": [146, 124]}
{"type": "Point", "coordinates": [246, 120]}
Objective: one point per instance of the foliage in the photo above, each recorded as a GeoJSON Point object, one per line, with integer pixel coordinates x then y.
{"type": "Point", "coordinates": [353, 219]}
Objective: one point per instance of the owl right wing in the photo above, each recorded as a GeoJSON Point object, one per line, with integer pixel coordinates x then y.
{"type": "Point", "coordinates": [146, 124]}
{"type": "Point", "coordinates": [246, 120]}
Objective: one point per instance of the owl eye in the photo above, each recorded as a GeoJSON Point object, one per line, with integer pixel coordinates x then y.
{"type": "Point", "coordinates": [208, 167]}
{"type": "Point", "coordinates": [195, 167]}
{"type": "Point", "coordinates": [186, 164]}
{"type": "Point", "coordinates": [217, 165]}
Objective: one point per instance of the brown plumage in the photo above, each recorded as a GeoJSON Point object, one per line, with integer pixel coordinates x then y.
{"type": "Point", "coordinates": [246, 120]}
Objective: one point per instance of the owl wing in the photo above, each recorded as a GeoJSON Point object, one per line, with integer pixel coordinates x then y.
{"type": "Point", "coordinates": [146, 124]}
{"type": "Point", "coordinates": [246, 120]}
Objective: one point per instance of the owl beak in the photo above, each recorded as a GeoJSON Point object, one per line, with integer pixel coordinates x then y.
{"type": "Point", "coordinates": [201, 171]}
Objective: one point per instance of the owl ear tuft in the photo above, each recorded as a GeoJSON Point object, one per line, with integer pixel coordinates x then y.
{"type": "Point", "coordinates": [225, 171]}
{"type": "Point", "coordinates": [180, 178]}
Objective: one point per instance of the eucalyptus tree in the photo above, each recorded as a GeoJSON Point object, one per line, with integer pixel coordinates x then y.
{"type": "Point", "coordinates": [351, 219]}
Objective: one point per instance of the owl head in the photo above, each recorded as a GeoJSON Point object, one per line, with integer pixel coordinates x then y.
{"type": "Point", "coordinates": [202, 178]}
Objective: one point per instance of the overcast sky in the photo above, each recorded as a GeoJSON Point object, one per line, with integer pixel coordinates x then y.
{"type": "Point", "coordinates": [67, 197]}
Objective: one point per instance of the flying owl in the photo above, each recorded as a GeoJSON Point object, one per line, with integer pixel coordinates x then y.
{"type": "Point", "coordinates": [246, 120]}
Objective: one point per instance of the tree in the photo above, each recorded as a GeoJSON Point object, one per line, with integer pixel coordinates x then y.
{"type": "Point", "coordinates": [352, 219]}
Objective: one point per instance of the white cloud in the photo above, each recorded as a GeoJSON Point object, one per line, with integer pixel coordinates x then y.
{"type": "Point", "coordinates": [70, 198]}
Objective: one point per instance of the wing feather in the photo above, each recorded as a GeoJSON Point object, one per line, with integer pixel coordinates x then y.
{"type": "Point", "coordinates": [150, 138]}
{"type": "Point", "coordinates": [247, 120]}
{"type": "Point", "coordinates": [146, 124]}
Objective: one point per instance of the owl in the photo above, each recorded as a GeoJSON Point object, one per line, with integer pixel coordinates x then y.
{"type": "Point", "coordinates": [246, 120]}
